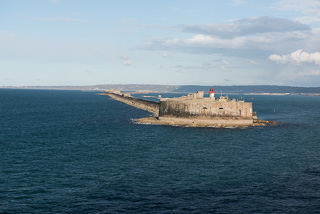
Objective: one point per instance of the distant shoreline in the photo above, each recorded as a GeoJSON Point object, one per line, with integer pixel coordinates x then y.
{"type": "Point", "coordinates": [283, 94]}
{"type": "Point", "coordinates": [185, 89]}
{"type": "Point", "coordinates": [158, 92]}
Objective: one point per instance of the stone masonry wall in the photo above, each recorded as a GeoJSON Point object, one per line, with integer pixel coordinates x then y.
{"type": "Point", "coordinates": [206, 108]}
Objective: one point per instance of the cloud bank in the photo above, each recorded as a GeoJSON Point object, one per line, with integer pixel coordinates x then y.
{"type": "Point", "coordinates": [248, 26]}
{"type": "Point", "coordinates": [256, 37]}
{"type": "Point", "coordinates": [309, 9]}
{"type": "Point", "coordinates": [297, 57]}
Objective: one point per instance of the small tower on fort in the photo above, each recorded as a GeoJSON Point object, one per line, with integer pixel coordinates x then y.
{"type": "Point", "coordinates": [211, 94]}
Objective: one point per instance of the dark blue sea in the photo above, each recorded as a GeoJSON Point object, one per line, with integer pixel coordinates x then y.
{"type": "Point", "coordinates": [78, 152]}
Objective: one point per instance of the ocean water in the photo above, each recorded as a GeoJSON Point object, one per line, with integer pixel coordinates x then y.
{"type": "Point", "coordinates": [77, 152]}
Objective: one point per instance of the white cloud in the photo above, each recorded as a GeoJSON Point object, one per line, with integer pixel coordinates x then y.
{"type": "Point", "coordinates": [127, 62]}
{"type": "Point", "coordinates": [248, 26]}
{"type": "Point", "coordinates": [165, 55]}
{"type": "Point", "coordinates": [309, 9]}
{"type": "Point", "coordinates": [200, 40]}
{"type": "Point", "coordinates": [308, 19]}
{"type": "Point", "coordinates": [225, 62]}
{"type": "Point", "coordinates": [253, 62]}
{"type": "Point", "coordinates": [276, 58]}
{"type": "Point", "coordinates": [265, 41]}
{"type": "Point", "coordinates": [297, 57]}
{"type": "Point", "coordinates": [223, 68]}
{"type": "Point", "coordinates": [255, 37]}
{"type": "Point", "coordinates": [253, 46]}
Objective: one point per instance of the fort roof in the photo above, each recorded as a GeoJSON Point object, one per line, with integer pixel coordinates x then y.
{"type": "Point", "coordinates": [199, 97]}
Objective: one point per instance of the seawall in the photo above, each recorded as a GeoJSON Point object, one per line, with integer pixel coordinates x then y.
{"type": "Point", "coordinates": [147, 105]}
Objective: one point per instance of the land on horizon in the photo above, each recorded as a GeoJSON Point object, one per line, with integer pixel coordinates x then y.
{"type": "Point", "coordinates": [150, 88]}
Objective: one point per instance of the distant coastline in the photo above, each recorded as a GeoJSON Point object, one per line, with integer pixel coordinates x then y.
{"type": "Point", "coordinates": [283, 94]}
{"type": "Point", "coordinates": [152, 89]}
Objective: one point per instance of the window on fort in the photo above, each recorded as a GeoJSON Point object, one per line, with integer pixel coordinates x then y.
{"type": "Point", "coordinates": [220, 108]}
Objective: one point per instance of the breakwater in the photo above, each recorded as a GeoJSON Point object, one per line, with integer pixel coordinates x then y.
{"type": "Point", "coordinates": [147, 105]}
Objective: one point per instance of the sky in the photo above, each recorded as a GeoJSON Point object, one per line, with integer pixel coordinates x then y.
{"type": "Point", "coordinates": [168, 42]}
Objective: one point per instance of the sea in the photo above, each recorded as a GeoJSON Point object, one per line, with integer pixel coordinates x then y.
{"type": "Point", "coordinates": [79, 152]}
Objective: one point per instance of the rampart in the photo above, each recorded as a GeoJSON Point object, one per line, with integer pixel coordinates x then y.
{"type": "Point", "coordinates": [222, 108]}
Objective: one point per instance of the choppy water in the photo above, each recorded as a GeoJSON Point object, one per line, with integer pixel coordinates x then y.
{"type": "Point", "coordinates": [76, 152]}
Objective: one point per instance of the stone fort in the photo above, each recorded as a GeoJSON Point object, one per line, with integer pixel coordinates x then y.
{"type": "Point", "coordinates": [196, 106]}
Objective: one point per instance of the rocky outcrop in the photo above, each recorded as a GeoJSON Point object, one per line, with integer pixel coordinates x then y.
{"type": "Point", "coordinates": [204, 123]}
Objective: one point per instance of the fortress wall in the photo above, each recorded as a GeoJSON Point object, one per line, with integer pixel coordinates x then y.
{"type": "Point", "coordinates": [206, 108]}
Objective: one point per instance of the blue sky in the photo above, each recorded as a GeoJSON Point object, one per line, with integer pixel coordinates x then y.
{"type": "Point", "coordinates": [176, 42]}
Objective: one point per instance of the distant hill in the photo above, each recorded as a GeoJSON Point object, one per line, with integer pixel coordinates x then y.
{"type": "Point", "coordinates": [237, 89]}
{"type": "Point", "coordinates": [251, 89]}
